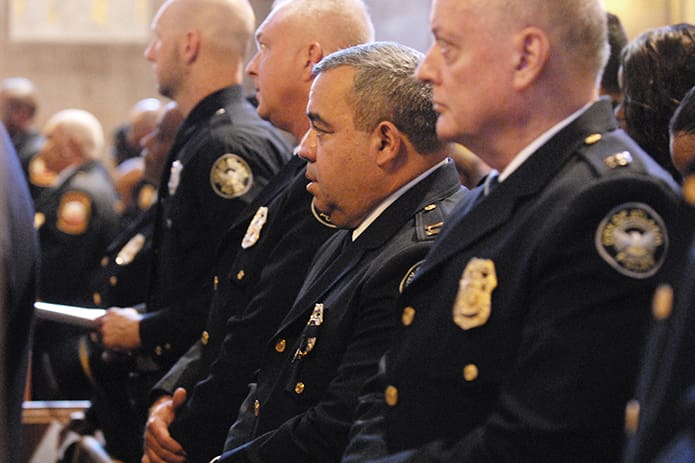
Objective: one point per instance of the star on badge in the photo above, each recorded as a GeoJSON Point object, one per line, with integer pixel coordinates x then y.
{"type": "Point", "coordinates": [230, 176]}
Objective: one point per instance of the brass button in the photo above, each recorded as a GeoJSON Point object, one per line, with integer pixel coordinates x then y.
{"type": "Point", "coordinates": [167, 346]}
{"type": "Point", "coordinates": [470, 372]}
{"type": "Point", "coordinates": [632, 416]}
{"type": "Point", "coordinates": [689, 189]}
{"type": "Point", "coordinates": [430, 207]}
{"type": "Point", "coordinates": [299, 387]}
{"type": "Point", "coordinates": [96, 297]}
{"type": "Point", "coordinates": [621, 159]}
{"type": "Point", "coordinates": [662, 303]}
{"type": "Point", "coordinates": [158, 351]}
{"type": "Point", "coordinates": [105, 261]}
{"type": "Point", "coordinates": [408, 316]}
{"type": "Point", "coordinates": [205, 338]}
{"type": "Point", "coordinates": [113, 280]}
{"type": "Point", "coordinates": [240, 276]}
{"type": "Point", "coordinates": [391, 396]}
{"type": "Point", "coordinates": [593, 139]}
{"type": "Point", "coordinates": [256, 408]}
{"type": "Point", "coordinates": [215, 282]}
{"type": "Point", "coordinates": [280, 345]}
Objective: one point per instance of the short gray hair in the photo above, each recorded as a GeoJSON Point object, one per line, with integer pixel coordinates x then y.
{"type": "Point", "coordinates": [385, 89]}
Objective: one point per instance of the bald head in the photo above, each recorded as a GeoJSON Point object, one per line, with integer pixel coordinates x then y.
{"type": "Point", "coordinates": [143, 119]}
{"type": "Point", "coordinates": [80, 126]}
{"type": "Point", "coordinates": [336, 24]}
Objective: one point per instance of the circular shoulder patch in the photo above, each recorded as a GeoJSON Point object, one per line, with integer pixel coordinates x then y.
{"type": "Point", "coordinates": [231, 176]}
{"type": "Point", "coordinates": [74, 213]}
{"type": "Point", "coordinates": [409, 275]}
{"type": "Point", "coordinates": [633, 239]}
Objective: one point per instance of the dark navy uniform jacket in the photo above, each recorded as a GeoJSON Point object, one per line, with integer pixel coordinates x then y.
{"type": "Point", "coordinates": [223, 156]}
{"type": "Point", "coordinates": [263, 261]}
{"type": "Point", "coordinates": [340, 324]}
{"type": "Point", "coordinates": [663, 411]}
{"type": "Point", "coordinates": [522, 331]}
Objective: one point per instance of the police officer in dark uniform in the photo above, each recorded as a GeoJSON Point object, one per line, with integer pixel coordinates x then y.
{"type": "Point", "coordinates": [223, 156]}
{"type": "Point", "coordinates": [522, 331]}
{"type": "Point", "coordinates": [76, 219]}
{"type": "Point", "coordinates": [18, 105]}
{"type": "Point", "coordinates": [330, 341]}
{"type": "Point", "coordinates": [267, 252]}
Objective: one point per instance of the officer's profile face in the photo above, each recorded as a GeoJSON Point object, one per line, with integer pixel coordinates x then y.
{"type": "Point", "coordinates": [54, 150]}
{"type": "Point", "coordinates": [157, 144]}
{"type": "Point", "coordinates": [342, 167]}
{"type": "Point", "coordinates": [682, 150]}
{"type": "Point", "coordinates": [163, 54]}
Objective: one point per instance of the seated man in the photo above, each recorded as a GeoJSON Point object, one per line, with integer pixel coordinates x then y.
{"type": "Point", "coordinates": [377, 168]}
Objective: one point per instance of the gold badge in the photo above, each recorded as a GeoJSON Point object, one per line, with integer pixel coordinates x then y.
{"type": "Point", "coordinates": [74, 212]}
{"type": "Point", "coordinates": [230, 176]}
{"type": "Point", "coordinates": [146, 197]}
{"type": "Point", "coordinates": [174, 177]}
{"type": "Point", "coordinates": [632, 239]}
{"type": "Point", "coordinates": [322, 217]}
{"type": "Point", "coordinates": [409, 275]}
{"type": "Point", "coordinates": [474, 300]}
{"type": "Point", "coordinates": [253, 233]}
{"type": "Point", "coordinates": [128, 252]}
{"type": "Point", "coordinates": [308, 343]}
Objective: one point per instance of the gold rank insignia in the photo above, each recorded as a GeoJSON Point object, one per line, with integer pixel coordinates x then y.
{"type": "Point", "coordinates": [253, 233]}
{"type": "Point", "coordinates": [474, 300]}
{"type": "Point", "coordinates": [230, 176]}
{"type": "Point", "coordinates": [632, 239]}
{"type": "Point", "coordinates": [128, 252]}
{"type": "Point", "coordinates": [409, 275]}
{"type": "Point", "coordinates": [74, 211]}
{"type": "Point", "coordinates": [146, 197]}
{"type": "Point", "coordinates": [174, 176]}
{"type": "Point", "coordinates": [322, 217]}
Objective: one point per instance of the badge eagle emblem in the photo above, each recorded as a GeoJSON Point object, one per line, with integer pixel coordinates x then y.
{"type": "Point", "coordinates": [474, 299]}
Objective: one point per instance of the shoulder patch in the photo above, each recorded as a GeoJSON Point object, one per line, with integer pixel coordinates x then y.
{"type": "Point", "coordinates": [74, 212]}
{"type": "Point", "coordinates": [323, 218]}
{"type": "Point", "coordinates": [632, 238]}
{"type": "Point", "coordinates": [409, 275]}
{"type": "Point", "coordinates": [230, 176]}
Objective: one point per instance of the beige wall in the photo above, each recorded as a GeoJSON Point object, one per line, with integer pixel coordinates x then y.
{"type": "Point", "coordinates": [108, 79]}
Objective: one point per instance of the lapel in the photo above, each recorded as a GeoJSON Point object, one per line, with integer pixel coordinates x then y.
{"type": "Point", "coordinates": [469, 224]}
{"type": "Point", "coordinates": [331, 266]}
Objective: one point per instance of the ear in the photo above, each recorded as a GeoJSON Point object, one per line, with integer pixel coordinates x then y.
{"type": "Point", "coordinates": [386, 143]}
{"type": "Point", "coordinates": [313, 53]}
{"type": "Point", "coordinates": [191, 46]}
{"type": "Point", "coordinates": [533, 51]}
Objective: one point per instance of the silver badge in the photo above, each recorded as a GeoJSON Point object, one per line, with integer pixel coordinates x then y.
{"type": "Point", "coordinates": [174, 177]}
{"type": "Point", "coordinates": [253, 233]}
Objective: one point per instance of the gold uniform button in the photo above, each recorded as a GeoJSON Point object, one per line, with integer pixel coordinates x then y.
{"type": "Point", "coordinates": [113, 281]}
{"type": "Point", "coordinates": [408, 316]}
{"type": "Point", "coordinates": [299, 387]}
{"type": "Point", "coordinates": [662, 303]}
{"type": "Point", "coordinates": [215, 282]}
{"type": "Point", "coordinates": [96, 297]}
{"type": "Point", "coordinates": [430, 207]}
{"type": "Point", "coordinates": [632, 416]}
{"type": "Point", "coordinates": [391, 396]}
{"type": "Point", "coordinates": [470, 372]}
{"type": "Point", "coordinates": [280, 346]}
{"type": "Point", "coordinates": [158, 351]}
{"type": "Point", "coordinates": [240, 276]}
{"type": "Point", "coordinates": [205, 338]}
{"type": "Point", "coordinates": [105, 261]}
{"type": "Point", "coordinates": [593, 139]}
{"type": "Point", "coordinates": [256, 408]}
{"type": "Point", "coordinates": [167, 346]}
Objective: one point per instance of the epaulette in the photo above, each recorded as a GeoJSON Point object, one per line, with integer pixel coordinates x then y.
{"type": "Point", "coordinates": [429, 222]}
{"type": "Point", "coordinates": [606, 153]}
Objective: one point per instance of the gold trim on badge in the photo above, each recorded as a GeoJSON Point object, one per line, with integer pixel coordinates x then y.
{"type": "Point", "coordinates": [633, 239]}
{"type": "Point", "coordinates": [322, 217]}
{"type": "Point", "coordinates": [131, 249]}
{"type": "Point", "coordinates": [230, 176]}
{"type": "Point", "coordinates": [73, 212]}
{"type": "Point", "coordinates": [253, 233]}
{"type": "Point", "coordinates": [409, 275]}
{"type": "Point", "coordinates": [473, 303]}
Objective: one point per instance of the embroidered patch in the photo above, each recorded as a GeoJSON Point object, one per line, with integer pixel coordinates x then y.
{"type": "Point", "coordinates": [409, 275]}
{"type": "Point", "coordinates": [633, 239]}
{"type": "Point", "coordinates": [73, 212]}
{"type": "Point", "coordinates": [473, 303]}
{"type": "Point", "coordinates": [253, 233]}
{"type": "Point", "coordinates": [230, 176]}
{"type": "Point", "coordinates": [128, 252]}
{"type": "Point", "coordinates": [174, 177]}
{"type": "Point", "coordinates": [323, 218]}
